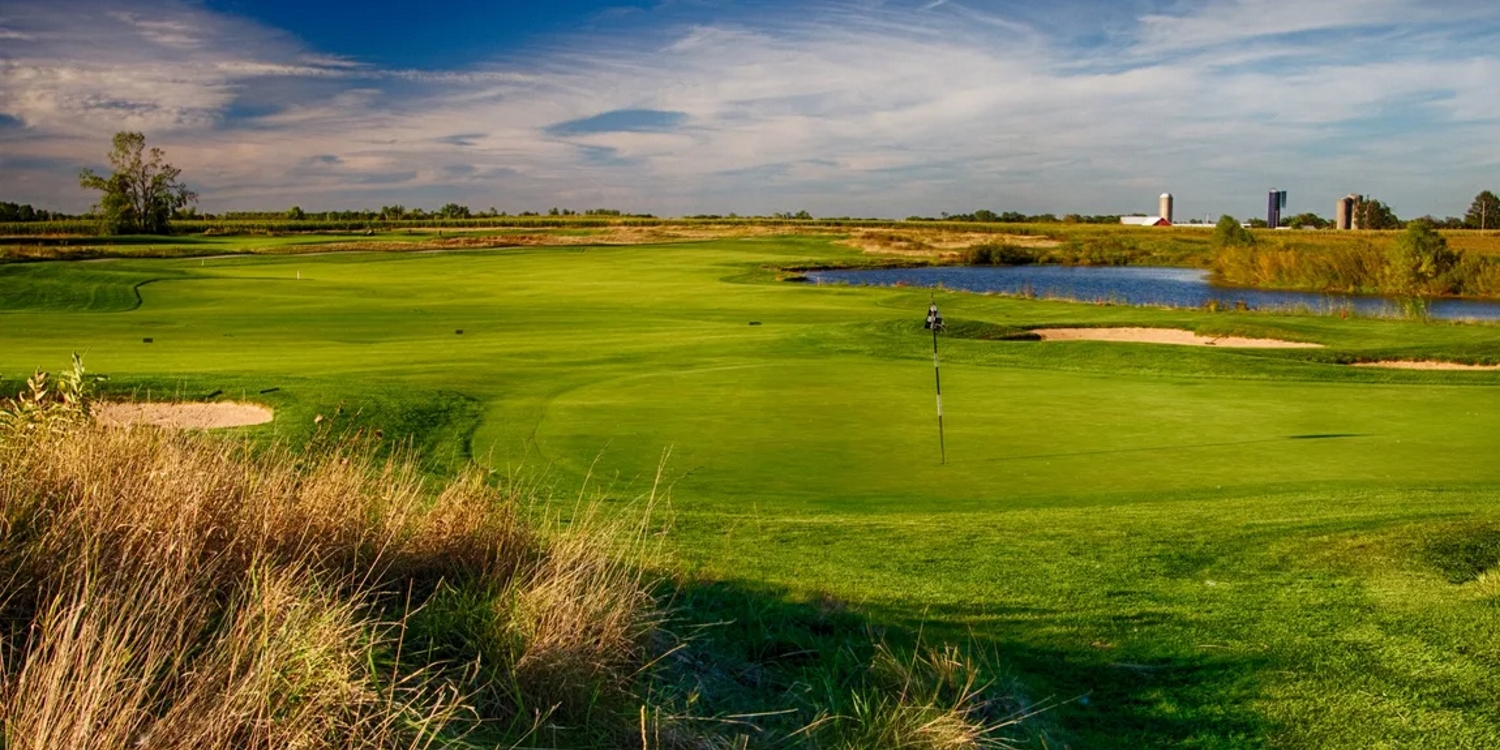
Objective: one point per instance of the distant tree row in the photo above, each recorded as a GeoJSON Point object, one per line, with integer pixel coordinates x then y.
{"type": "Point", "coordinates": [1483, 213]}
{"type": "Point", "coordinates": [25, 212]}
{"type": "Point", "coordinates": [1015, 217]}
{"type": "Point", "coordinates": [144, 193]}
{"type": "Point", "coordinates": [402, 213]}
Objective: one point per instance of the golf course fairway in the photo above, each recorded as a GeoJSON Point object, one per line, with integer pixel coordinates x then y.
{"type": "Point", "coordinates": [1194, 547]}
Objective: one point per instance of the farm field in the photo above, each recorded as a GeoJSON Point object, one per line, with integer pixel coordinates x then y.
{"type": "Point", "coordinates": [1171, 547]}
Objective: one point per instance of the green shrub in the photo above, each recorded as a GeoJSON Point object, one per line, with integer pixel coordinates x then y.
{"type": "Point", "coordinates": [1229, 233]}
{"type": "Point", "coordinates": [999, 255]}
{"type": "Point", "coordinates": [1421, 263]}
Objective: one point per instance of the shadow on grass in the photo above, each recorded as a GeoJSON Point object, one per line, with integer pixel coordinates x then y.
{"type": "Point", "coordinates": [1168, 448]}
{"type": "Point", "coordinates": [761, 649]}
{"type": "Point", "coordinates": [124, 239]}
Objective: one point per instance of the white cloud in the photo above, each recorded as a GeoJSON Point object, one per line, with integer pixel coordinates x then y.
{"type": "Point", "coordinates": [874, 112]}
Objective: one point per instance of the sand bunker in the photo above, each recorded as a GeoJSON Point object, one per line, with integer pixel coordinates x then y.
{"type": "Point", "coordinates": [1407, 364]}
{"type": "Point", "coordinates": [1165, 336]}
{"type": "Point", "coordinates": [190, 416]}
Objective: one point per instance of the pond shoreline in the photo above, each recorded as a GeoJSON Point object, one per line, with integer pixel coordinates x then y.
{"type": "Point", "coordinates": [1159, 286]}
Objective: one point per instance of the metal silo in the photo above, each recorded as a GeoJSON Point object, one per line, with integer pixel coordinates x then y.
{"type": "Point", "coordinates": [1166, 206]}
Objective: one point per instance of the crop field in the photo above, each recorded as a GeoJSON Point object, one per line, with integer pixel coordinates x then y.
{"type": "Point", "coordinates": [1167, 546]}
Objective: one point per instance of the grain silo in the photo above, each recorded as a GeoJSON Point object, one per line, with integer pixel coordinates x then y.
{"type": "Point", "coordinates": [1166, 206]}
{"type": "Point", "coordinates": [1347, 216]}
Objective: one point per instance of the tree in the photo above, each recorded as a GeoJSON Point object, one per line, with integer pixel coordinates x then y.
{"type": "Point", "coordinates": [1421, 261]}
{"type": "Point", "coordinates": [454, 211]}
{"type": "Point", "coordinates": [1485, 213]}
{"type": "Point", "coordinates": [1306, 220]}
{"type": "Point", "coordinates": [1229, 233]}
{"type": "Point", "coordinates": [295, 213]}
{"type": "Point", "coordinates": [1376, 215]}
{"type": "Point", "coordinates": [144, 191]}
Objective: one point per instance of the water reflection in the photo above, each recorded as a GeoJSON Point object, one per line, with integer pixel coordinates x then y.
{"type": "Point", "coordinates": [1138, 285]}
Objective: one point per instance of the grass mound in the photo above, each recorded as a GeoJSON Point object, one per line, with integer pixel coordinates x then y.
{"type": "Point", "coordinates": [985, 331]}
{"type": "Point", "coordinates": [1463, 553]}
{"type": "Point", "coordinates": [171, 590]}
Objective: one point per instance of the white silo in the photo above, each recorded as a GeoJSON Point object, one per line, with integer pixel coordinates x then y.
{"type": "Point", "coordinates": [1166, 206]}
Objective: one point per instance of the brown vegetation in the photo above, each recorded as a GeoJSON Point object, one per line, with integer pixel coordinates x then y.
{"type": "Point", "coordinates": [167, 591]}
{"type": "Point", "coordinates": [1417, 262]}
{"type": "Point", "coordinates": [940, 244]}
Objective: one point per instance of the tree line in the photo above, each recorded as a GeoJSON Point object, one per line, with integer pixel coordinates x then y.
{"type": "Point", "coordinates": [24, 212]}
{"type": "Point", "coordinates": [144, 193]}
{"type": "Point", "coordinates": [987, 216]}
{"type": "Point", "coordinates": [1483, 213]}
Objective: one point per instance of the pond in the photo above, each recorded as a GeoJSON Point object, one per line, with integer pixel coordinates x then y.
{"type": "Point", "coordinates": [1140, 285]}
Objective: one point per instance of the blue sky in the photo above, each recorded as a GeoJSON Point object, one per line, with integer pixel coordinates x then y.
{"type": "Point", "coordinates": [857, 107]}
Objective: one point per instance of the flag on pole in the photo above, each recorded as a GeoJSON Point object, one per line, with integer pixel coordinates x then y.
{"type": "Point", "coordinates": [934, 319]}
{"type": "Point", "coordinates": [935, 324]}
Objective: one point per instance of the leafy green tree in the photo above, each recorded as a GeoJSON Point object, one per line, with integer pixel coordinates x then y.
{"type": "Point", "coordinates": [454, 211]}
{"type": "Point", "coordinates": [1229, 233]}
{"type": "Point", "coordinates": [1421, 262]}
{"type": "Point", "coordinates": [1376, 215]}
{"type": "Point", "coordinates": [1307, 220]}
{"type": "Point", "coordinates": [1484, 213]}
{"type": "Point", "coordinates": [142, 193]}
{"type": "Point", "coordinates": [295, 213]}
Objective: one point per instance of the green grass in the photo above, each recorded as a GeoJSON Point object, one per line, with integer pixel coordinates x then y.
{"type": "Point", "coordinates": [1183, 547]}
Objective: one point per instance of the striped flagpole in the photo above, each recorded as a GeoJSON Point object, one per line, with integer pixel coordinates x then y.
{"type": "Point", "coordinates": [935, 322]}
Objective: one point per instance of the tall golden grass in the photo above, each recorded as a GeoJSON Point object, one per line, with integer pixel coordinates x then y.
{"type": "Point", "coordinates": [1362, 263]}
{"type": "Point", "coordinates": [167, 591]}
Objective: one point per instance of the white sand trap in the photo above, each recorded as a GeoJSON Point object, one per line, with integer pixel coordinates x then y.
{"type": "Point", "coordinates": [1430, 364]}
{"type": "Point", "coordinates": [190, 416]}
{"type": "Point", "coordinates": [1165, 336]}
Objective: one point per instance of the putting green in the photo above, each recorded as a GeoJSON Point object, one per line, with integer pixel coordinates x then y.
{"type": "Point", "coordinates": [1204, 547]}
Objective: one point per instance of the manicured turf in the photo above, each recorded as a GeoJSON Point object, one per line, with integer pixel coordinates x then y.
{"type": "Point", "coordinates": [1183, 547]}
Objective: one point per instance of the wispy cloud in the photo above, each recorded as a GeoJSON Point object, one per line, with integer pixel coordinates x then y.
{"type": "Point", "coordinates": [838, 109]}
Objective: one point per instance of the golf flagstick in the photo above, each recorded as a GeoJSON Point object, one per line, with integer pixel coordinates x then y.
{"type": "Point", "coordinates": [935, 324]}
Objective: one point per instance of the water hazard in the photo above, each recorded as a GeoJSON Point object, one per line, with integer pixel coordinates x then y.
{"type": "Point", "coordinates": [1137, 285]}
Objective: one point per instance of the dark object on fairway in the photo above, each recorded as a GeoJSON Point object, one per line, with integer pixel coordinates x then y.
{"type": "Point", "coordinates": [459, 332]}
{"type": "Point", "coordinates": [147, 341]}
{"type": "Point", "coordinates": [215, 394]}
{"type": "Point", "coordinates": [271, 390]}
{"type": "Point", "coordinates": [755, 322]}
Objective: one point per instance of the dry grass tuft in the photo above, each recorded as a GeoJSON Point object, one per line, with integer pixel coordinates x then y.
{"type": "Point", "coordinates": [169, 591]}
{"type": "Point", "coordinates": [932, 699]}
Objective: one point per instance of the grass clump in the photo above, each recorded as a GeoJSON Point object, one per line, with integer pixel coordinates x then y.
{"type": "Point", "coordinates": [164, 590]}
{"type": "Point", "coordinates": [933, 699]}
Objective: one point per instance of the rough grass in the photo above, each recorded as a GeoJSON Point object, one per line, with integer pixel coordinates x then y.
{"type": "Point", "coordinates": [1358, 266]}
{"type": "Point", "coordinates": [163, 590]}
{"type": "Point", "coordinates": [168, 591]}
